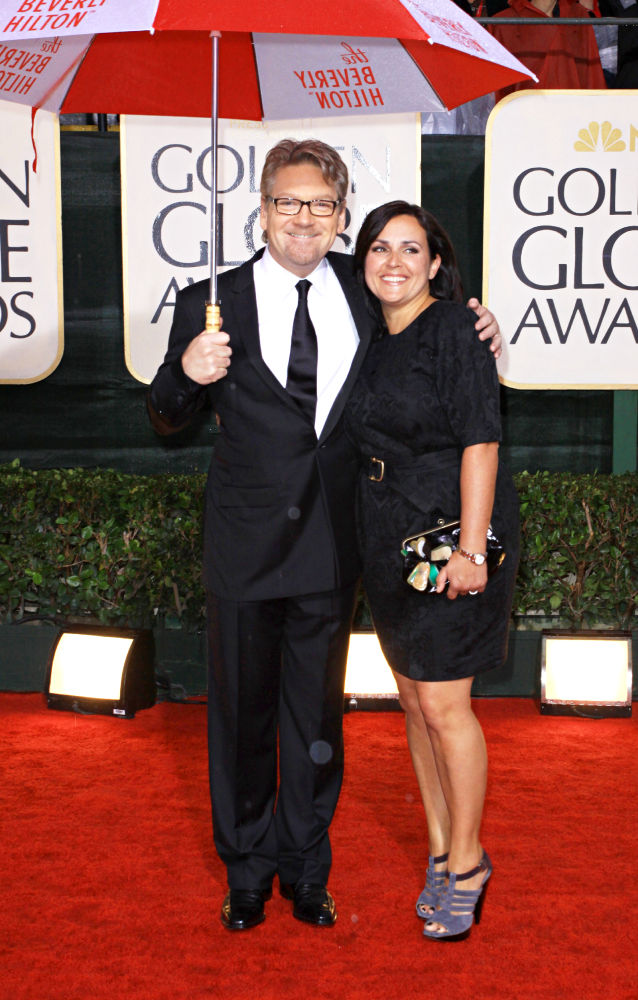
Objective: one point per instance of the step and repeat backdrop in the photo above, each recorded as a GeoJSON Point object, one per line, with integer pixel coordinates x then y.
{"type": "Point", "coordinates": [31, 317]}
{"type": "Point", "coordinates": [561, 237]}
{"type": "Point", "coordinates": [560, 233]}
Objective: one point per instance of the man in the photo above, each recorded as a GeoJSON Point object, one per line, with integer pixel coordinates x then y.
{"type": "Point", "coordinates": [280, 560]}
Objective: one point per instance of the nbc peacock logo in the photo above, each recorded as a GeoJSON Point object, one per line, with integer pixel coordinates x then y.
{"type": "Point", "coordinates": [600, 136]}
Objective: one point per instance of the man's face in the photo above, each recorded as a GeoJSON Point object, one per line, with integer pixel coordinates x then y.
{"type": "Point", "coordinates": [300, 242]}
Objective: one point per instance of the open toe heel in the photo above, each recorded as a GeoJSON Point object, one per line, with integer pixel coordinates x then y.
{"type": "Point", "coordinates": [458, 909]}
{"type": "Point", "coordinates": [434, 886]}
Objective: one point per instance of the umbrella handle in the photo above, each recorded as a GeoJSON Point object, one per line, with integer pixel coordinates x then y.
{"type": "Point", "coordinates": [213, 323]}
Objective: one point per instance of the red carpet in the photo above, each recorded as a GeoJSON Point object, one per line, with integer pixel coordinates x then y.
{"type": "Point", "coordinates": [111, 888]}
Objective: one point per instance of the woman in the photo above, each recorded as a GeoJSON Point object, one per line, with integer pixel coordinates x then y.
{"type": "Point", "coordinates": [425, 416]}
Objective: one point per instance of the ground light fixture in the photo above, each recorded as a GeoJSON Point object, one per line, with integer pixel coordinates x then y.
{"type": "Point", "coordinates": [369, 680]}
{"type": "Point", "coordinates": [587, 673]}
{"type": "Point", "coordinates": [103, 671]}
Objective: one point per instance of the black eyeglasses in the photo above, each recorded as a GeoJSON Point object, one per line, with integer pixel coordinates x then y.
{"type": "Point", "coordinates": [292, 206]}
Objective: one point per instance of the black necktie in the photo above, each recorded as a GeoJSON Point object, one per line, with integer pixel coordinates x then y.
{"type": "Point", "coordinates": [301, 381]}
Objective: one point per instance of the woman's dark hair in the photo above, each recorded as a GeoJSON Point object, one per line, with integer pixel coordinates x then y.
{"type": "Point", "coordinates": [446, 283]}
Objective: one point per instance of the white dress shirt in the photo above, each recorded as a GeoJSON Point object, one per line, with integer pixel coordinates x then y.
{"type": "Point", "coordinates": [337, 337]}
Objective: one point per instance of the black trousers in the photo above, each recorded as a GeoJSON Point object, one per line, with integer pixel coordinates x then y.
{"type": "Point", "coordinates": [275, 683]}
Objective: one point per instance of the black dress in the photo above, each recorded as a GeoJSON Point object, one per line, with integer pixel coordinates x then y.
{"type": "Point", "coordinates": [422, 396]}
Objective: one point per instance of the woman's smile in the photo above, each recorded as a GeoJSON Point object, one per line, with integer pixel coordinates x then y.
{"type": "Point", "coordinates": [398, 270]}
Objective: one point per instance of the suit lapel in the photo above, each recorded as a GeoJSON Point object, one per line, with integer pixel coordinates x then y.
{"type": "Point", "coordinates": [342, 267]}
{"type": "Point", "coordinates": [241, 299]}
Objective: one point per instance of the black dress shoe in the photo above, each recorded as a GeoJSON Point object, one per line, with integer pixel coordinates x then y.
{"type": "Point", "coordinates": [244, 908]}
{"type": "Point", "coordinates": [312, 902]}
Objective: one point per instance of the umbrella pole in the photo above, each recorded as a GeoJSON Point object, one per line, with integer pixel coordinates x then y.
{"type": "Point", "coordinates": [212, 306]}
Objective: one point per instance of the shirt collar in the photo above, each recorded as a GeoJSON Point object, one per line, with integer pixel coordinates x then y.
{"type": "Point", "coordinates": [286, 280]}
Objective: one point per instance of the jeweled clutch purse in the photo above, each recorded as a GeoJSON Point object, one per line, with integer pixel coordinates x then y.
{"type": "Point", "coordinates": [425, 553]}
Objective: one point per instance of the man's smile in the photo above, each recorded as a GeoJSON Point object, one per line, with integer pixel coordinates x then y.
{"type": "Point", "coordinates": [300, 242]}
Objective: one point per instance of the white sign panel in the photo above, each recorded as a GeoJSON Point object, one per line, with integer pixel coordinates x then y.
{"type": "Point", "coordinates": [42, 18]}
{"type": "Point", "coordinates": [309, 75]}
{"type": "Point", "coordinates": [166, 203]}
{"type": "Point", "coordinates": [31, 317]}
{"type": "Point", "coordinates": [561, 237]}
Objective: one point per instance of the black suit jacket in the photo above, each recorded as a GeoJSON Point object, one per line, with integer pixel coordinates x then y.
{"type": "Point", "coordinates": [279, 517]}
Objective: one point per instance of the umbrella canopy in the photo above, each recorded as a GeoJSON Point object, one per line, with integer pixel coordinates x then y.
{"type": "Point", "coordinates": [98, 58]}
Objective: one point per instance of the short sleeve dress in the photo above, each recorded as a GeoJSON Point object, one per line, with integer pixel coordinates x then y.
{"type": "Point", "coordinates": [422, 396]}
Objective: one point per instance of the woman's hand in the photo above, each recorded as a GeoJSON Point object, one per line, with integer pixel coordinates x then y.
{"type": "Point", "coordinates": [462, 577]}
{"type": "Point", "coordinates": [479, 465]}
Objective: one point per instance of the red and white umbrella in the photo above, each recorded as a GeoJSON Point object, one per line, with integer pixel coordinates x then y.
{"type": "Point", "coordinates": [267, 61]}
{"type": "Point", "coordinates": [100, 54]}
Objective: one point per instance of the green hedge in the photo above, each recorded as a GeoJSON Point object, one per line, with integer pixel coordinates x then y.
{"type": "Point", "coordinates": [579, 558]}
{"type": "Point", "coordinates": [127, 549]}
{"type": "Point", "coordinates": [124, 549]}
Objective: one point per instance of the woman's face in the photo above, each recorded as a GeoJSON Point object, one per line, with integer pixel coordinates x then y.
{"type": "Point", "coordinates": [398, 266]}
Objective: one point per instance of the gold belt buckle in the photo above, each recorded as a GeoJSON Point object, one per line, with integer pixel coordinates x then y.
{"type": "Point", "coordinates": [381, 463]}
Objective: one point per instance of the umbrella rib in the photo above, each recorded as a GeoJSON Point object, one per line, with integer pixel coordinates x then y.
{"type": "Point", "coordinates": [423, 73]}
{"type": "Point", "coordinates": [72, 68]}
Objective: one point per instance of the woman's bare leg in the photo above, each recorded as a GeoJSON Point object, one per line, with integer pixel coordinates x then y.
{"type": "Point", "coordinates": [427, 776]}
{"type": "Point", "coordinates": [461, 760]}
{"type": "Point", "coordinates": [425, 768]}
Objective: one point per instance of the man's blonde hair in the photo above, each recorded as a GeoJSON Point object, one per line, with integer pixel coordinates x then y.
{"type": "Point", "coordinates": [289, 152]}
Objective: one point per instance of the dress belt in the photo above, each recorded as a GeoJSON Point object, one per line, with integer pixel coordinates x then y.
{"type": "Point", "coordinates": [380, 469]}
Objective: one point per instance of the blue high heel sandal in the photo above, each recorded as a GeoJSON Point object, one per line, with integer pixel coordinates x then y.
{"type": "Point", "coordinates": [458, 909]}
{"type": "Point", "coordinates": [434, 886]}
